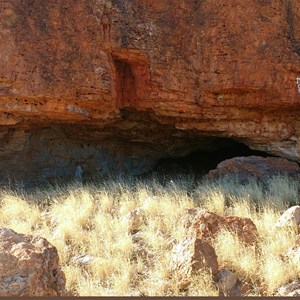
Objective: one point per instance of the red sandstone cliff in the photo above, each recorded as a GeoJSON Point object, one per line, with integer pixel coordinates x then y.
{"type": "Point", "coordinates": [93, 81]}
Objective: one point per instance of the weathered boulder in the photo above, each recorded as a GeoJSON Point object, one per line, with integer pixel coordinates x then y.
{"type": "Point", "coordinates": [29, 266]}
{"type": "Point", "coordinates": [255, 168]}
{"type": "Point", "coordinates": [190, 256]}
{"type": "Point", "coordinates": [291, 217]}
{"type": "Point", "coordinates": [115, 85]}
{"type": "Point", "coordinates": [207, 224]}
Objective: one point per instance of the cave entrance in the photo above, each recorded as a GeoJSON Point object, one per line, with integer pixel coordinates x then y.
{"type": "Point", "coordinates": [200, 162]}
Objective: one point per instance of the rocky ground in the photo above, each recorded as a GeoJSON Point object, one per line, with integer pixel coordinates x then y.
{"type": "Point", "coordinates": [222, 236]}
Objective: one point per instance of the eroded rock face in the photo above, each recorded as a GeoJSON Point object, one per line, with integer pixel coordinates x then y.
{"type": "Point", "coordinates": [115, 85]}
{"type": "Point", "coordinates": [29, 266]}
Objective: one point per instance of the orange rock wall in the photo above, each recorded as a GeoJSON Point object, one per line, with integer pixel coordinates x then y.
{"type": "Point", "coordinates": [144, 79]}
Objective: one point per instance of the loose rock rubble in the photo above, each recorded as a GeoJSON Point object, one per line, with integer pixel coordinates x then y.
{"type": "Point", "coordinates": [29, 266]}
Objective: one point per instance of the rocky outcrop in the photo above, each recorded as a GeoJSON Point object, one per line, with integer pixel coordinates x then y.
{"type": "Point", "coordinates": [255, 168]}
{"type": "Point", "coordinates": [115, 85]}
{"type": "Point", "coordinates": [29, 266]}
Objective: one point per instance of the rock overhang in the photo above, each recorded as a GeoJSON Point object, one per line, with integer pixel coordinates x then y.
{"type": "Point", "coordinates": [142, 80]}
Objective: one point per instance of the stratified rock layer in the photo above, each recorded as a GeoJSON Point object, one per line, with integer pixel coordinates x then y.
{"type": "Point", "coordinates": [29, 266]}
{"type": "Point", "coordinates": [116, 85]}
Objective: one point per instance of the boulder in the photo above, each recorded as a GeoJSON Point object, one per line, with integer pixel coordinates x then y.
{"type": "Point", "coordinates": [207, 224]}
{"type": "Point", "coordinates": [190, 256]}
{"type": "Point", "coordinates": [256, 168]}
{"type": "Point", "coordinates": [29, 266]}
{"type": "Point", "coordinates": [291, 217]}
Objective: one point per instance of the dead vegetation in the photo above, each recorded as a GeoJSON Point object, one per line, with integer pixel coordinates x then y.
{"type": "Point", "coordinates": [116, 237]}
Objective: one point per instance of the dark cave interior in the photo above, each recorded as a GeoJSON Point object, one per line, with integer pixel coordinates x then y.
{"type": "Point", "coordinates": [200, 162]}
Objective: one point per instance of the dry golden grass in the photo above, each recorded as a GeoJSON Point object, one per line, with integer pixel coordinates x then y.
{"type": "Point", "coordinates": [90, 220]}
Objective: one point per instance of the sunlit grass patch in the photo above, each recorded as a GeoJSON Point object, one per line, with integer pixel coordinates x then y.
{"type": "Point", "coordinates": [17, 213]}
{"type": "Point", "coordinates": [92, 220]}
